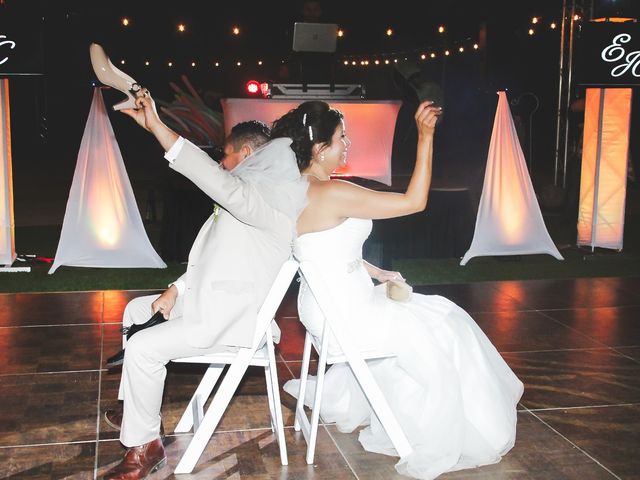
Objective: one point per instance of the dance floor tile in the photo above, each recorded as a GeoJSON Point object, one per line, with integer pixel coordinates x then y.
{"type": "Point", "coordinates": [24, 309]}
{"type": "Point", "coordinates": [610, 326]}
{"type": "Point", "coordinates": [569, 293]}
{"type": "Point", "coordinates": [574, 378]}
{"type": "Point", "coordinates": [49, 349]}
{"type": "Point", "coordinates": [52, 462]}
{"type": "Point", "coordinates": [526, 331]}
{"type": "Point", "coordinates": [292, 342]}
{"type": "Point", "coordinates": [116, 300]}
{"type": "Point", "coordinates": [539, 453]}
{"type": "Point", "coordinates": [252, 455]}
{"type": "Point", "coordinates": [478, 297]}
{"type": "Point", "coordinates": [554, 334]}
{"type": "Point", "coordinates": [631, 352]}
{"type": "Point", "coordinates": [611, 435]}
{"type": "Point", "coordinates": [52, 408]}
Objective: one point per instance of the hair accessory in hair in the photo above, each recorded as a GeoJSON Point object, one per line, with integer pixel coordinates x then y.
{"type": "Point", "coordinates": [304, 120]}
{"type": "Point", "coordinates": [310, 133]}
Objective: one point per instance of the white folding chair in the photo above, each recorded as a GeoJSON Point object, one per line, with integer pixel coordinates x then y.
{"type": "Point", "coordinates": [334, 323]}
{"type": "Point", "coordinates": [261, 354]}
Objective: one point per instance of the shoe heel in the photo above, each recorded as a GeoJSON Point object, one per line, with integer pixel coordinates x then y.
{"type": "Point", "coordinates": [130, 102]}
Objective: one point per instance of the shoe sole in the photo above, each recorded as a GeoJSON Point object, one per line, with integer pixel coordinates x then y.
{"type": "Point", "coordinates": [117, 427]}
{"type": "Point", "coordinates": [115, 364]}
{"type": "Point", "coordinates": [159, 465]}
{"type": "Point", "coordinates": [110, 423]}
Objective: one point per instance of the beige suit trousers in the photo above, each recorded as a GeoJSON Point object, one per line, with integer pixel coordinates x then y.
{"type": "Point", "coordinates": [144, 369]}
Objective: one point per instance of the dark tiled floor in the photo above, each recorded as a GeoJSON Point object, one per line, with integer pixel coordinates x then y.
{"type": "Point", "coordinates": [575, 344]}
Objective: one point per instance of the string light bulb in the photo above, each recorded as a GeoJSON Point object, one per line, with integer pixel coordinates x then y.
{"type": "Point", "coordinates": [181, 27]}
{"type": "Point", "coordinates": [147, 63]}
{"type": "Point", "coordinates": [553, 25]}
{"type": "Point", "coordinates": [531, 31]}
{"type": "Point", "coordinates": [461, 49]}
{"type": "Point", "coordinates": [125, 22]}
{"type": "Point", "coordinates": [193, 64]}
{"type": "Point", "coordinates": [446, 52]}
{"type": "Point", "coordinates": [122, 62]}
{"type": "Point", "coordinates": [235, 31]}
{"type": "Point", "coordinates": [441, 29]}
{"type": "Point", "coordinates": [475, 46]}
{"type": "Point", "coordinates": [170, 64]}
{"type": "Point", "coordinates": [389, 32]}
{"type": "Point", "coordinates": [340, 33]}
{"type": "Point", "coordinates": [534, 20]}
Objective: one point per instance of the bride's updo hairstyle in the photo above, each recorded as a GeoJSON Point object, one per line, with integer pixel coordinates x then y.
{"type": "Point", "coordinates": [309, 123]}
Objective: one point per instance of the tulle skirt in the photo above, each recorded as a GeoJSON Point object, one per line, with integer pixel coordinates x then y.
{"type": "Point", "coordinates": [449, 388]}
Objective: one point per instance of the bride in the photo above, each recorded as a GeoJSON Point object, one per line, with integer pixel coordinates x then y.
{"type": "Point", "coordinates": [449, 388]}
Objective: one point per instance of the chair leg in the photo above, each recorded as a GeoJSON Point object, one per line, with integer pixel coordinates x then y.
{"type": "Point", "coordinates": [317, 398]}
{"type": "Point", "coordinates": [275, 405]}
{"type": "Point", "coordinates": [304, 373]}
{"type": "Point", "coordinates": [215, 411]}
{"type": "Point", "coordinates": [272, 405]}
{"type": "Point", "coordinates": [203, 391]}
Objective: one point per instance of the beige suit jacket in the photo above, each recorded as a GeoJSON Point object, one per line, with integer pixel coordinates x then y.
{"type": "Point", "coordinates": [235, 257]}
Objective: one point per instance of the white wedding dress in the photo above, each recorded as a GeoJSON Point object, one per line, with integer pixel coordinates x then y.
{"type": "Point", "coordinates": [449, 388]}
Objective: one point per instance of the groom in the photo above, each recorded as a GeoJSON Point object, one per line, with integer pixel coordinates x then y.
{"type": "Point", "coordinates": [232, 264]}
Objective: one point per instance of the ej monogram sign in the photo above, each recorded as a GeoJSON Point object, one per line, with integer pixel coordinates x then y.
{"type": "Point", "coordinates": [609, 55]}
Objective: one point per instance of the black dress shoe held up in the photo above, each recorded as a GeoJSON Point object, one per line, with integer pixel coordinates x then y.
{"type": "Point", "coordinates": [156, 319]}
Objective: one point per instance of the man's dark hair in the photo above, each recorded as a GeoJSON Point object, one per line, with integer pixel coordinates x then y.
{"type": "Point", "coordinates": [253, 132]}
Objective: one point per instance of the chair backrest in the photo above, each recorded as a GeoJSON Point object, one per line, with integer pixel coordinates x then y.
{"type": "Point", "coordinates": [274, 299]}
{"type": "Point", "coordinates": [334, 317]}
{"type": "Point", "coordinates": [335, 320]}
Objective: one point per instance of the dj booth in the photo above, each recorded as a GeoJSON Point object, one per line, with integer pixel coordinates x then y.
{"type": "Point", "coordinates": [369, 124]}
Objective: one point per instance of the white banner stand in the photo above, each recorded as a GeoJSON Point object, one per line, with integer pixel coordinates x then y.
{"type": "Point", "coordinates": [7, 225]}
{"type": "Point", "coordinates": [509, 220]}
{"type": "Point", "coordinates": [102, 226]}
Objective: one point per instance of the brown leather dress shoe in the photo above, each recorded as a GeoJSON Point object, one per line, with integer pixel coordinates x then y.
{"type": "Point", "coordinates": [113, 418]}
{"type": "Point", "coordinates": [138, 462]}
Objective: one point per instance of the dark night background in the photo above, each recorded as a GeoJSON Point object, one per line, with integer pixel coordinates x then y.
{"type": "Point", "coordinates": [49, 111]}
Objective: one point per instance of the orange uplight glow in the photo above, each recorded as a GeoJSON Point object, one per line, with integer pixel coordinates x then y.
{"type": "Point", "coordinates": [604, 167]}
{"type": "Point", "coordinates": [7, 245]}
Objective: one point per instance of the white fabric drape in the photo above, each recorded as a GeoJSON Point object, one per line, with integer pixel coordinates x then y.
{"type": "Point", "coordinates": [102, 225]}
{"type": "Point", "coordinates": [7, 245]}
{"type": "Point", "coordinates": [509, 220]}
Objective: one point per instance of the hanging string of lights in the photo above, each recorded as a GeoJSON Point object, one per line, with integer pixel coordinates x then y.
{"type": "Point", "coordinates": [456, 47]}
